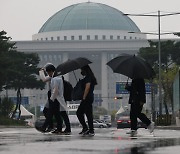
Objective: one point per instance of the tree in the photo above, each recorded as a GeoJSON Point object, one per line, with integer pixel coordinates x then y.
{"type": "Point", "coordinates": [21, 69]}
{"type": "Point", "coordinates": [170, 58]}
{"type": "Point", "coordinates": [5, 48]}
{"type": "Point", "coordinates": [25, 75]}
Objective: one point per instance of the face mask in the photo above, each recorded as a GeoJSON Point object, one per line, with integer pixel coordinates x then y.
{"type": "Point", "coordinates": [83, 73]}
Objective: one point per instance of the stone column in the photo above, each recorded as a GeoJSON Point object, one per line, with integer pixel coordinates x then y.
{"type": "Point", "coordinates": [65, 57]}
{"type": "Point", "coordinates": [104, 81]}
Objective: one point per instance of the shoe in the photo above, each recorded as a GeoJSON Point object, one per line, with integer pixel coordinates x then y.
{"type": "Point", "coordinates": [89, 133]}
{"type": "Point", "coordinates": [56, 131]}
{"type": "Point", "coordinates": [49, 129]}
{"type": "Point", "coordinates": [132, 133]}
{"type": "Point", "coordinates": [42, 129]}
{"type": "Point", "coordinates": [83, 131]}
{"type": "Point", "coordinates": [66, 132]}
{"type": "Point", "coordinates": [151, 127]}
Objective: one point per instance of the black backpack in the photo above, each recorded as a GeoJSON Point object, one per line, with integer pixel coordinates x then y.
{"type": "Point", "coordinates": [67, 90]}
{"type": "Point", "coordinates": [78, 91]}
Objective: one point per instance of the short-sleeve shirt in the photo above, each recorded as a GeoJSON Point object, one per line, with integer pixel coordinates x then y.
{"type": "Point", "coordinates": [86, 80]}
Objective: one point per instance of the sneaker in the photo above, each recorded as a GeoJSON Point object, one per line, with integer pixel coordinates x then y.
{"type": "Point", "coordinates": [89, 133]}
{"type": "Point", "coordinates": [151, 127]}
{"type": "Point", "coordinates": [66, 132]}
{"type": "Point", "coordinates": [129, 132]}
{"type": "Point", "coordinates": [132, 133]}
{"type": "Point", "coordinates": [49, 129]}
{"type": "Point", "coordinates": [42, 129]}
{"type": "Point", "coordinates": [83, 131]}
{"type": "Point", "coordinates": [56, 131]}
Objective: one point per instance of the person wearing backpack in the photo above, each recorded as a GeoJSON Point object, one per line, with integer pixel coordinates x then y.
{"type": "Point", "coordinates": [57, 104]}
{"type": "Point", "coordinates": [86, 107]}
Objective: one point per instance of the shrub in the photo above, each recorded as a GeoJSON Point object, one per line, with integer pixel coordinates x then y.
{"type": "Point", "coordinates": [6, 107]}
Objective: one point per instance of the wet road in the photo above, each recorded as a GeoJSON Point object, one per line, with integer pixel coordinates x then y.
{"type": "Point", "coordinates": [106, 141]}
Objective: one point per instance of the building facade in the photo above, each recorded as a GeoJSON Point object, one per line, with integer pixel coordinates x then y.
{"type": "Point", "coordinates": [92, 30]}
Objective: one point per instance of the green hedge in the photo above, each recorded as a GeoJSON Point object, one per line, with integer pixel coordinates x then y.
{"type": "Point", "coordinates": [11, 122]}
{"type": "Point", "coordinates": [164, 120]}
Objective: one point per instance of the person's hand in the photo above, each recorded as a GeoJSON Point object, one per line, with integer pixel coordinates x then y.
{"type": "Point", "coordinates": [42, 69]}
{"type": "Point", "coordinates": [127, 87]}
{"type": "Point", "coordinates": [141, 103]}
{"type": "Point", "coordinates": [82, 100]}
{"type": "Point", "coordinates": [50, 101]}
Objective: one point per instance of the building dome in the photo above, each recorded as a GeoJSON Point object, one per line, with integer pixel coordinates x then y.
{"type": "Point", "coordinates": [89, 16]}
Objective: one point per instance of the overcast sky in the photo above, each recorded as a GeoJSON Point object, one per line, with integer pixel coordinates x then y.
{"type": "Point", "coordinates": [23, 18]}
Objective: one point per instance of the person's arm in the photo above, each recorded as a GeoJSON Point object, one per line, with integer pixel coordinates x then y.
{"type": "Point", "coordinates": [127, 87]}
{"type": "Point", "coordinates": [86, 91]}
{"type": "Point", "coordinates": [142, 92]}
{"type": "Point", "coordinates": [43, 77]}
{"type": "Point", "coordinates": [55, 89]}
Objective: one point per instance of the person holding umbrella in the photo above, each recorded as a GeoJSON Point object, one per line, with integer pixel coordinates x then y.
{"type": "Point", "coordinates": [137, 99]}
{"type": "Point", "coordinates": [137, 69]}
{"type": "Point", "coordinates": [85, 107]}
{"type": "Point", "coordinates": [46, 79]}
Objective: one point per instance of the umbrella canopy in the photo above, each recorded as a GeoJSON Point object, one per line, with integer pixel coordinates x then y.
{"type": "Point", "coordinates": [71, 65]}
{"type": "Point", "coordinates": [131, 66]}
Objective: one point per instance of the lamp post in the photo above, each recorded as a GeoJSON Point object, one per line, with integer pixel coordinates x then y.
{"type": "Point", "coordinates": [159, 52]}
{"type": "Point", "coordinates": [159, 15]}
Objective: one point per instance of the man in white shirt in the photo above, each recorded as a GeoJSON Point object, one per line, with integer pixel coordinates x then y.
{"type": "Point", "coordinates": [57, 104]}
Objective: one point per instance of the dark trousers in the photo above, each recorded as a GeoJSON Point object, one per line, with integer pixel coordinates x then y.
{"type": "Point", "coordinates": [45, 112]}
{"type": "Point", "coordinates": [135, 113]}
{"type": "Point", "coordinates": [66, 120]}
{"type": "Point", "coordinates": [53, 111]}
{"type": "Point", "coordinates": [85, 108]}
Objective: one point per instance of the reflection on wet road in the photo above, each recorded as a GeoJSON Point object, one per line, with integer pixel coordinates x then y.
{"type": "Point", "coordinates": [106, 141]}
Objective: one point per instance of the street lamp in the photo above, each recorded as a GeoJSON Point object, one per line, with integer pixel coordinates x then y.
{"type": "Point", "coordinates": [158, 15]}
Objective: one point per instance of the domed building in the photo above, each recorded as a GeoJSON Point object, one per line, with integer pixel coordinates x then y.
{"type": "Point", "coordinates": [88, 21]}
{"type": "Point", "coordinates": [92, 30]}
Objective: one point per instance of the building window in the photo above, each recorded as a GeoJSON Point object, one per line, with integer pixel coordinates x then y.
{"type": "Point", "coordinates": [130, 37]}
{"type": "Point", "coordinates": [118, 37]}
{"type": "Point", "coordinates": [72, 37]}
{"type": "Point", "coordinates": [46, 38]}
{"type": "Point", "coordinates": [41, 39]}
{"type": "Point", "coordinates": [124, 37]}
{"type": "Point", "coordinates": [88, 37]}
{"type": "Point", "coordinates": [96, 37]}
{"type": "Point", "coordinates": [55, 58]}
{"type": "Point", "coordinates": [80, 37]}
{"type": "Point", "coordinates": [59, 57]}
{"type": "Point", "coordinates": [135, 38]}
{"type": "Point", "coordinates": [104, 37]}
{"type": "Point", "coordinates": [65, 37]}
{"type": "Point", "coordinates": [45, 57]}
{"type": "Point", "coordinates": [50, 57]}
{"type": "Point", "coordinates": [51, 38]}
{"type": "Point", "coordinates": [58, 38]}
{"type": "Point", "coordinates": [40, 57]}
{"type": "Point", "coordinates": [111, 37]}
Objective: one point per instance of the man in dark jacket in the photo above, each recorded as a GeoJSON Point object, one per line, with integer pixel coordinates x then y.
{"type": "Point", "coordinates": [137, 99]}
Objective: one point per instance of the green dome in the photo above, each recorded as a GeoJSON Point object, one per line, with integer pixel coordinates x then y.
{"type": "Point", "coordinates": [89, 16]}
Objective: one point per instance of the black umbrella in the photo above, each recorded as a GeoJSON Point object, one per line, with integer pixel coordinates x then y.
{"type": "Point", "coordinates": [131, 66]}
{"type": "Point", "coordinates": [71, 65]}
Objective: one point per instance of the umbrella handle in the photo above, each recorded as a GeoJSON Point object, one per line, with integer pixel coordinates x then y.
{"type": "Point", "coordinates": [127, 81]}
{"type": "Point", "coordinates": [75, 76]}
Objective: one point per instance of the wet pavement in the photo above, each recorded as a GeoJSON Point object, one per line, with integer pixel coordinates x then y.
{"type": "Point", "coordinates": [106, 141]}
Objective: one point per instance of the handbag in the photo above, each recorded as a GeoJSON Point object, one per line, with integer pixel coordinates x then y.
{"type": "Point", "coordinates": [78, 91]}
